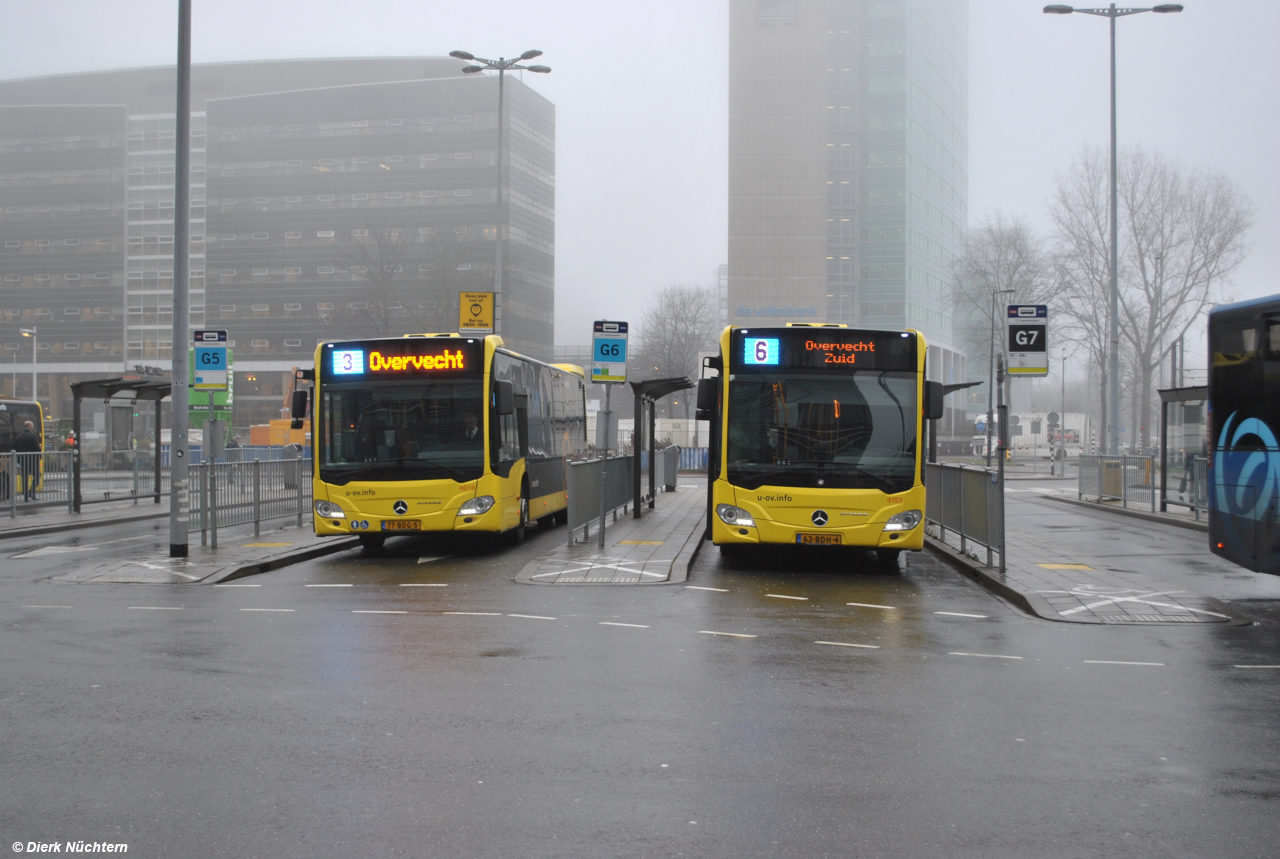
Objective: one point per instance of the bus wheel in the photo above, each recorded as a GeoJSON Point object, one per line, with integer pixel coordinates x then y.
{"type": "Point", "coordinates": [516, 535]}
{"type": "Point", "coordinates": [888, 558]}
{"type": "Point", "coordinates": [372, 542]}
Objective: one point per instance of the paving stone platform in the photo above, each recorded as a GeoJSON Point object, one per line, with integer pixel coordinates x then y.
{"type": "Point", "coordinates": [656, 549]}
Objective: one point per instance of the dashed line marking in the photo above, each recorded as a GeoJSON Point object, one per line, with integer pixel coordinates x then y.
{"type": "Point", "coordinates": [729, 634]}
{"type": "Point", "coordinates": [156, 607]}
{"type": "Point", "coordinates": [961, 614]}
{"type": "Point", "coordinates": [237, 586]}
{"type": "Point", "coordinates": [872, 605]}
{"type": "Point", "coordinates": [1233, 666]}
{"type": "Point", "coordinates": [372, 611]}
{"type": "Point", "coordinates": [71, 606]}
{"type": "Point", "coordinates": [1114, 662]}
{"type": "Point", "coordinates": [532, 616]}
{"type": "Point", "coordinates": [422, 585]}
{"type": "Point", "coordinates": [632, 625]}
{"type": "Point", "coordinates": [696, 588]}
{"type": "Point", "coordinates": [847, 644]}
{"type": "Point", "coordinates": [266, 609]}
{"type": "Point", "coordinates": [983, 655]}
{"type": "Point", "coordinates": [330, 586]}
{"type": "Point", "coordinates": [476, 613]}
{"type": "Point", "coordinates": [785, 597]}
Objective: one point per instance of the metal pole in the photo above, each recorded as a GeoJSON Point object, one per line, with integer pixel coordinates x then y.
{"type": "Point", "coordinates": [637, 437]}
{"type": "Point", "coordinates": [213, 502]}
{"type": "Point", "coordinates": [1004, 440]}
{"type": "Point", "coordinates": [1113, 335]}
{"type": "Point", "coordinates": [35, 356]}
{"type": "Point", "coordinates": [1164, 455]}
{"type": "Point", "coordinates": [155, 450]}
{"type": "Point", "coordinates": [257, 497]}
{"type": "Point", "coordinates": [604, 463]}
{"type": "Point", "coordinates": [991, 377]}
{"type": "Point", "coordinates": [75, 454]}
{"type": "Point", "coordinates": [497, 254]}
{"type": "Point", "coordinates": [178, 501]}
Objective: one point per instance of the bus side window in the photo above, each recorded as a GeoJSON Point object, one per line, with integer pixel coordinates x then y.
{"type": "Point", "coordinates": [1273, 339]}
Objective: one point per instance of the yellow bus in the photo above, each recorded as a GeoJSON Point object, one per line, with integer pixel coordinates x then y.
{"type": "Point", "coordinates": [440, 433]}
{"type": "Point", "coordinates": [13, 415]}
{"type": "Point", "coordinates": [817, 438]}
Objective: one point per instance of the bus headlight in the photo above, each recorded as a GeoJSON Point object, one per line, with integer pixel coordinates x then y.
{"type": "Point", "coordinates": [329, 510]}
{"type": "Point", "coordinates": [731, 515]}
{"type": "Point", "coordinates": [476, 506]}
{"type": "Point", "coordinates": [904, 521]}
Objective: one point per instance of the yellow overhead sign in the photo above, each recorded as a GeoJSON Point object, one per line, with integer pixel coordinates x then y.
{"type": "Point", "coordinates": [475, 313]}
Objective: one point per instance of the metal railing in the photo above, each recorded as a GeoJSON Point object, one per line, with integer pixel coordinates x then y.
{"type": "Point", "coordinates": [239, 493]}
{"type": "Point", "coordinates": [115, 476]}
{"type": "Point", "coordinates": [1127, 479]}
{"type": "Point", "coordinates": [1189, 486]}
{"type": "Point", "coordinates": [969, 502]}
{"type": "Point", "coordinates": [584, 492]}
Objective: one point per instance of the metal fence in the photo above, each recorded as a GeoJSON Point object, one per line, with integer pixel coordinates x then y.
{"type": "Point", "coordinates": [1128, 479]}
{"type": "Point", "coordinates": [115, 476]}
{"type": "Point", "coordinates": [1188, 485]}
{"type": "Point", "coordinates": [584, 492]}
{"type": "Point", "coordinates": [239, 493]}
{"type": "Point", "coordinates": [968, 501]}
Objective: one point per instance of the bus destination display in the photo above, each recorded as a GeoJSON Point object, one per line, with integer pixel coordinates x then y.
{"type": "Point", "coordinates": [829, 349]}
{"type": "Point", "coordinates": [402, 357]}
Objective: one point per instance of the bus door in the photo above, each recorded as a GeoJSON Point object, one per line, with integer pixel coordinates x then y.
{"type": "Point", "coordinates": [522, 423]}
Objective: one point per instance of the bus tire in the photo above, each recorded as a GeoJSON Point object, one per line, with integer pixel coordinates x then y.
{"type": "Point", "coordinates": [372, 542]}
{"type": "Point", "coordinates": [888, 558]}
{"type": "Point", "coordinates": [516, 535]}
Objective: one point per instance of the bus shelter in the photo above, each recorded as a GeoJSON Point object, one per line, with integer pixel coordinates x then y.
{"type": "Point", "coordinates": [647, 395]}
{"type": "Point", "coordinates": [142, 390]}
{"type": "Point", "coordinates": [1182, 430]}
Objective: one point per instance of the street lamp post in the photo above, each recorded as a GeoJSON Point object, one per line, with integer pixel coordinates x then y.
{"type": "Point", "coordinates": [502, 66]}
{"type": "Point", "coordinates": [1113, 332]}
{"type": "Point", "coordinates": [991, 371]}
{"type": "Point", "coordinates": [30, 332]}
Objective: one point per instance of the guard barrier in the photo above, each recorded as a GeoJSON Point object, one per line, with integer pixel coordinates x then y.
{"type": "Point", "coordinates": [584, 492]}
{"type": "Point", "coordinates": [968, 501]}
{"type": "Point", "coordinates": [1189, 486]}
{"type": "Point", "coordinates": [116, 476]}
{"type": "Point", "coordinates": [1128, 479]}
{"type": "Point", "coordinates": [237, 493]}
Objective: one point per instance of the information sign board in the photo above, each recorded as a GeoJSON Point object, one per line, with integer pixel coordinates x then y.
{"type": "Point", "coordinates": [609, 352]}
{"type": "Point", "coordinates": [210, 368]}
{"type": "Point", "coordinates": [475, 313]}
{"type": "Point", "coordinates": [1027, 326]}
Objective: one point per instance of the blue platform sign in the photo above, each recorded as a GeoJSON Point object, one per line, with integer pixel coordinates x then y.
{"type": "Point", "coordinates": [210, 355]}
{"type": "Point", "coordinates": [609, 352]}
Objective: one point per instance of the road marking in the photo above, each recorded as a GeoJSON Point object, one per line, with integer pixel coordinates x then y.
{"type": "Point", "coordinates": [717, 590]}
{"type": "Point", "coordinates": [639, 542]}
{"type": "Point", "coordinates": [237, 586]}
{"type": "Point", "coordinates": [329, 586]}
{"type": "Point", "coordinates": [785, 597]}
{"type": "Point", "coordinates": [372, 611]}
{"type": "Point", "coordinates": [1111, 662]}
{"type": "Point", "coordinates": [476, 613]}
{"type": "Point", "coordinates": [872, 605]}
{"type": "Point", "coordinates": [960, 614]}
{"type": "Point", "coordinates": [157, 607]}
{"type": "Point", "coordinates": [983, 655]}
{"type": "Point", "coordinates": [632, 625]}
{"type": "Point", "coordinates": [846, 644]}
{"type": "Point", "coordinates": [423, 585]}
{"type": "Point", "coordinates": [54, 550]}
{"type": "Point", "coordinates": [730, 634]}
{"type": "Point", "coordinates": [532, 616]}
{"type": "Point", "coordinates": [427, 559]}
{"type": "Point", "coordinates": [1233, 666]}
{"type": "Point", "coordinates": [1065, 566]}
{"type": "Point", "coordinates": [1092, 591]}
{"type": "Point", "coordinates": [71, 606]}
{"type": "Point", "coordinates": [265, 545]}
{"type": "Point", "coordinates": [267, 609]}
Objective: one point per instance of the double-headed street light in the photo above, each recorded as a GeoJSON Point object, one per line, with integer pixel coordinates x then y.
{"type": "Point", "coordinates": [31, 332]}
{"type": "Point", "coordinates": [501, 66]}
{"type": "Point", "coordinates": [1113, 356]}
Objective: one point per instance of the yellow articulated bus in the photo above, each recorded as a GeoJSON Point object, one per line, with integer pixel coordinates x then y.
{"type": "Point", "coordinates": [817, 438]}
{"type": "Point", "coordinates": [440, 433]}
{"type": "Point", "coordinates": [13, 416]}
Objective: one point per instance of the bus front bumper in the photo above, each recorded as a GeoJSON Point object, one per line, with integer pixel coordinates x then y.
{"type": "Point", "coordinates": [870, 536]}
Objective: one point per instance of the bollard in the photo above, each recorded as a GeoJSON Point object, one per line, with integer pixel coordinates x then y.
{"type": "Point", "coordinates": [135, 478]}
{"type": "Point", "coordinates": [13, 485]}
{"type": "Point", "coordinates": [298, 488]}
{"type": "Point", "coordinates": [213, 505]}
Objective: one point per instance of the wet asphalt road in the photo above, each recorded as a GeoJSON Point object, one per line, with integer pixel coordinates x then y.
{"type": "Point", "coordinates": [282, 718]}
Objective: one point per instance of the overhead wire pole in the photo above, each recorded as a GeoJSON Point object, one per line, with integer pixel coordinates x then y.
{"type": "Point", "coordinates": [501, 66]}
{"type": "Point", "coordinates": [178, 501]}
{"type": "Point", "coordinates": [1113, 325]}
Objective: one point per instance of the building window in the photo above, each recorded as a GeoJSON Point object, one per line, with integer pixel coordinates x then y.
{"type": "Point", "coordinates": [226, 308]}
{"type": "Point", "coordinates": [358, 305]}
{"type": "Point", "coordinates": [359, 233]}
{"type": "Point", "coordinates": [292, 344]}
{"type": "Point", "coordinates": [462, 119]}
{"type": "Point", "coordinates": [227, 237]}
{"type": "Point", "coordinates": [462, 192]}
{"type": "Point", "coordinates": [462, 156]}
{"type": "Point", "coordinates": [72, 242]}
{"type": "Point", "coordinates": [71, 311]}
{"type": "Point", "coordinates": [226, 272]}
{"type": "Point", "coordinates": [293, 126]}
{"type": "Point", "coordinates": [325, 269]}
{"type": "Point", "coordinates": [261, 201]}
{"type": "Point", "coordinates": [292, 271]}
{"type": "Point", "coordinates": [41, 243]}
{"type": "Point", "coordinates": [427, 156]}
{"type": "Point", "coordinates": [103, 275]}
{"type": "Point", "coordinates": [359, 196]}
{"type": "Point", "coordinates": [326, 198]}
{"type": "Point", "coordinates": [360, 123]}
{"type": "Point", "coordinates": [13, 244]}
{"type": "Point", "coordinates": [395, 195]}
{"type": "Point", "coordinates": [260, 308]}
{"type": "Point", "coordinates": [327, 162]}
{"type": "Point", "coordinates": [360, 159]}
{"type": "Point", "coordinates": [293, 199]}
{"type": "Point", "coordinates": [71, 276]}
{"type": "Point", "coordinates": [261, 236]}
{"type": "Point", "coordinates": [324, 307]}
{"type": "Point", "coordinates": [395, 122]}
{"type": "Point", "coordinates": [70, 347]}
{"type": "Point", "coordinates": [394, 159]}
{"type": "Point", "coordinates": [324, 234]}
{"type": "Point", "coordinates": [228, 201]}
{"type": "Point", "coordinates": [427, 120]}
{"type": "Point", "coordinates": [426, 193]}
{"type": "Point", "coordinates": [261, 164]}
{"type": "Point", "coordinates": [260, 344]}
{"type": "Point", "coordinates": [101, 345]}
{"type": "Point", "coordinates": [296, 234]}
{"type": "Point", "coordinates": [292, 308]}
{"type": "Point", "coordinates": [293, 162]}
{"type": "Point", "coordinates": [42, 278]}
{"type": "Point", "coordinates": [259, 272]}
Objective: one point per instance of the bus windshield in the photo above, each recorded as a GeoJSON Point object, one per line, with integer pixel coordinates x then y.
{"type": "Point", "coordinates": [420, 430]}
{"type": "Point", "coordinates": [848, 431]}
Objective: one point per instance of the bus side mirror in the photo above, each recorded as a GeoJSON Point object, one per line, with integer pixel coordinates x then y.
{"type": "Point", "coordinates": [934, 405]}
{"type": "Point", "coordinates": [298, 408]}
{"type": "Point", "coordinates": [707, 391]}
{"type": "Point", "coordinates": [505, 396]}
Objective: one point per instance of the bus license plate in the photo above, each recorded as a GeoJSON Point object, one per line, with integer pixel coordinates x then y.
{"type": "Point", "coordinates": [819, 539]}
{"type": "Point", "coordinates": [402, 525]}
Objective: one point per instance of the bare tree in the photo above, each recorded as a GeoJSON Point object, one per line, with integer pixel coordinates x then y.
{"type": "Point", "coordinates": [675, 328]}
{"type": "Point", "coordinates": [1182, 233]}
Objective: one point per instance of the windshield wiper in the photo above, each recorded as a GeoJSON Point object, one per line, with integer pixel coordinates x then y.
{"type": "Point", "coordinates": [879, 478]}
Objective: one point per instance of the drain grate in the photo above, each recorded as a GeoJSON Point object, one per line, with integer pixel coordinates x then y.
{"type": "Point", "coordinates": [1158, 618]}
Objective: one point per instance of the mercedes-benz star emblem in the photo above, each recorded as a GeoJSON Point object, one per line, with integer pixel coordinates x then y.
{"type": "Point", "coordinates": [819, 517]}
{"type": "Point", "coordinates": [401, 508]}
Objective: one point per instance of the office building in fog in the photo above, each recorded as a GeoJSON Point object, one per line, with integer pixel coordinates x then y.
{"type": "Point", "coordinates": [330, 198]}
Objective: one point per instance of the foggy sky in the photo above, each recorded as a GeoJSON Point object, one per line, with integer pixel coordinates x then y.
{"type": "Point", "coordinates": [642, 118]}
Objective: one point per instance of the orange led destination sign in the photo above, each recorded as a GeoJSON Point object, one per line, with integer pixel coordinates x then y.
{"type": "Point", "coordinates": [839, 350]}
{"type": "Point", "coordinates": [395, 363]}
{"type": "Point", "coordinates": [840, 353]}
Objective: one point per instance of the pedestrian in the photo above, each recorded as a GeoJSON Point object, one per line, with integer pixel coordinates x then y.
{"type": "Point", "coordinates": [27, 445]}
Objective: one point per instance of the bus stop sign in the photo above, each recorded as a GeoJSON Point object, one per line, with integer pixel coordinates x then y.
{"type": "Point", "coordinates": [609, 352]}
{"type": "Point", "coordinates": [210, 361]}
{"type": "Point", "coordinates": [1028, 328]}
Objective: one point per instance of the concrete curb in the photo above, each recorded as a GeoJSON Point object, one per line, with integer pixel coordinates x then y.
{"type": "Point", "coordinates": [38, 530]}
{"type": "Point", "coordinates": [1191, 525]}
{"type": "Point", "coordinates": [285, 559]}
{"type": "Point", "coordinates": [679, 574]}
{"type": "Point", "coordinates": [990, 579]}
